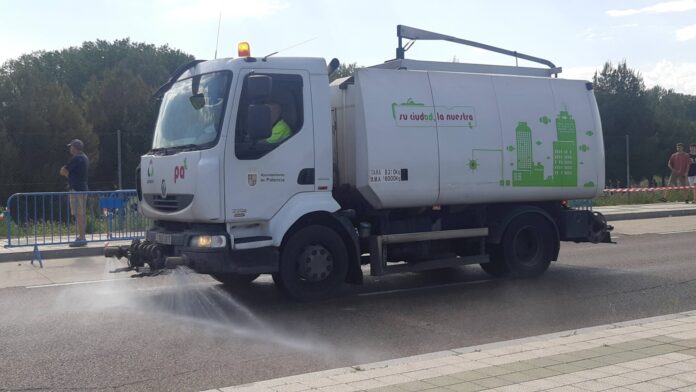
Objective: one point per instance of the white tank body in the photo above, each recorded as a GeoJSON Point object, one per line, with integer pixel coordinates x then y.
{"type": "Point", "coordinates": [407, 138]}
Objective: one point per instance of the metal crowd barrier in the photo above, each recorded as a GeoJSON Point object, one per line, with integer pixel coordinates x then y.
{"type": "Point", "coordinates": [48, 218]}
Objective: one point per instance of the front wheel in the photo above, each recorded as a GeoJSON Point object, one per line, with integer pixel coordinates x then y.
{"type": "Point", "coordinates": [528, 245]}
{"type": "Point", "coordinates": [313, 264]}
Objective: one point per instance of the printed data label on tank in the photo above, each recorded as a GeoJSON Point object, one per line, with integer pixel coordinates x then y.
{"type": "Point", "coordinates": [239, 212]}
{"type": "Point", "coordinates": [388, 175]}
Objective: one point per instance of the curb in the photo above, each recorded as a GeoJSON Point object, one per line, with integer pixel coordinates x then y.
{"type": "Point", "coordinates": [52, 254]}
{"type": "Point", "coordinates": [647, 214]}
{"type": "Point", "coordinates": [455, 352]}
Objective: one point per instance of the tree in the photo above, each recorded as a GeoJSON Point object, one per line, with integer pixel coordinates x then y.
{"type": "Point", "coordinates": [120, 101]}
{"type": "Point", "coordinates": [655, 120]}
{"type": "Point", "coordinates": [624, 110]}
{"type": "Point", "coordinates": [88, 92]}
{"type": "Point", "coordinates": [8, 159]}
{"type": "Point", "coordinates": [40, 117]}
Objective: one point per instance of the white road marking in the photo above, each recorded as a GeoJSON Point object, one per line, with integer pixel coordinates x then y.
{"type": "Point", "coordinates": [74, 283]}
{"type": "Point", "coordinates": [676, 232]}
{"type": "Point", "coordinates": [421, 288]}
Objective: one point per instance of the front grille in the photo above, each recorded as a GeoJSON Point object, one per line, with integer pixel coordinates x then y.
{"type": "Point", "coordinates": [171, 203]}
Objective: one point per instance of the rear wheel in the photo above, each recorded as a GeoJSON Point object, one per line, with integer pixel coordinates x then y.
{"type": "Point", "coordinates": [234, 280]}
{"type": "Point", "coordinates": [528, 245]}
{"type": "Point", "coordinates": [313, 264]}
{"type": "Point", "coordinates": [496, 266]}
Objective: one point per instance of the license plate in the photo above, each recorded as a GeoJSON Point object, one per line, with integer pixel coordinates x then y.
{"type": "Point", "coordinates": [162, 238]}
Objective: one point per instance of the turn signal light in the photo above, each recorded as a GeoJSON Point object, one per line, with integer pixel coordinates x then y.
{"type": "Point", "coordinates": [243, 49]}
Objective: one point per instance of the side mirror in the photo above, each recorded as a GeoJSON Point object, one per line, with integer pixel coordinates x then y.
{"type": "Point", "coordinates": [333, 66]}
{"type": "Point", "coordinates": [259, 87]}
{"type": "Point", "coordinates": [259, 124]}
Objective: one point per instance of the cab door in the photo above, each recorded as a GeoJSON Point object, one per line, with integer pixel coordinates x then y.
{"type": "Point", "coordinates": [262, 176]}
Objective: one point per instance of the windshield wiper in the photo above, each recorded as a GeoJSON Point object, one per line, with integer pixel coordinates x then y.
{"type": "Point", "coordinates": [173, 149]}
{"type": "Point", "coordinates": [187, 147]}
{"type": "Point", "coordinates": [164, 150]}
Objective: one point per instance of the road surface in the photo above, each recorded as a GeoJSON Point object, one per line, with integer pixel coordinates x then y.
{"type": "Point", "coordinates": [184, 332]}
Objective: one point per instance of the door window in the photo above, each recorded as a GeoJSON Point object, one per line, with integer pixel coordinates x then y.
{"type": "Point", "coordinates": [286, 103]}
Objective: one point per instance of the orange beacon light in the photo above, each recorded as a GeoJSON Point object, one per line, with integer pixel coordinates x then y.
{"type": "Point", "coordinates": [243, 49]}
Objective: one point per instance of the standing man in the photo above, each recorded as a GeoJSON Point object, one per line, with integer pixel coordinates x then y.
{"type": "Point", "coordinates": [76, 172]}
{"type": "Point", "coordinates": [679, 164]}
{"type": "Point", "coordinates": [692, 170]}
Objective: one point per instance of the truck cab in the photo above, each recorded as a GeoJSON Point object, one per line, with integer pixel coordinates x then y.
{"type": "Point", "coordinates": [213, 185]}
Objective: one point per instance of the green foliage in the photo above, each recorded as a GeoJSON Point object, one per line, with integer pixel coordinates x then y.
{"type": "Point", "coordinates": [617, 199]}
{"type": "Point", "coordinates": [87, 92]}
{"type": "Point", "coordinates": [654, 119]}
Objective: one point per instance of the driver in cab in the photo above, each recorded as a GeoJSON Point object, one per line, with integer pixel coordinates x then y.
{"type": "Point", "coordinates": [281, 130]}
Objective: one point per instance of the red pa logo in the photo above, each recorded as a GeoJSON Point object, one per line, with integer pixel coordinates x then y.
{"type": "Point", "coordinates": [179, 173]}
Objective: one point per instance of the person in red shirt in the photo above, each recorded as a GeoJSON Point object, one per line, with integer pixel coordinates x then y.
{"type": "Point", "coordinates": [679, 165]}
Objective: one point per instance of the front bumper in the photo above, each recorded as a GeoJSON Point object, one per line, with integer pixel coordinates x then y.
{"type": "Point", "coordinates": [249, 261]}
{"type": "Point", "coordinates": [160, 244]}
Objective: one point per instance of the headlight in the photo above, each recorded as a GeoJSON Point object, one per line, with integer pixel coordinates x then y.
{"type": "Point", "coordinates": [208, 241]}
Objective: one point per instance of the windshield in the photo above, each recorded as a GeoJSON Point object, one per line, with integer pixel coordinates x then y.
{"type": "Point", "coordinates": [192, 111]}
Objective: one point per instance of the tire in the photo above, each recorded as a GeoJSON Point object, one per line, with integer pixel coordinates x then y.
{"type": "Point", "coordinates": [496, 266]}
{"type": "Point", "coordinates": [528, 245]}
{"type": "Point", "coordinates": [313, 264]}
{"type": "Point", "coordinates": [235, 280]}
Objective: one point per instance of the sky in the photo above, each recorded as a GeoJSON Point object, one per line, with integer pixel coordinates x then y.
{"type": "Point", "coordinates": [656, 38]}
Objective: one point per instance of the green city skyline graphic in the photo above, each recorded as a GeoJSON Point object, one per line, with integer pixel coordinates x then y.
{"type": "Point", "coordinates": [565, 155]}
{"type": "Point", "coordinates": [527, 172]}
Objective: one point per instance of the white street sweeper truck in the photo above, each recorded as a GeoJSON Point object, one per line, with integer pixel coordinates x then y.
{"type": "Point", "coordinates": [261, 166]}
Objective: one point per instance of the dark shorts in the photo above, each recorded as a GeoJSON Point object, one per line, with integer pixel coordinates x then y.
{"type": "Point", "coordinates": [677, 180]}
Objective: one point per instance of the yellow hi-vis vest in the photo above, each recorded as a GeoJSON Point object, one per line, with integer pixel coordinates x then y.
{"type": "Point", "coordinates": [281, 131]}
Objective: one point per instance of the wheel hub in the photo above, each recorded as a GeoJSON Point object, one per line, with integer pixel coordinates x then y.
{"type": "Point", "coordinates": [315, 263]}
{"type": "Point", "coordinates": [526, 245]}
